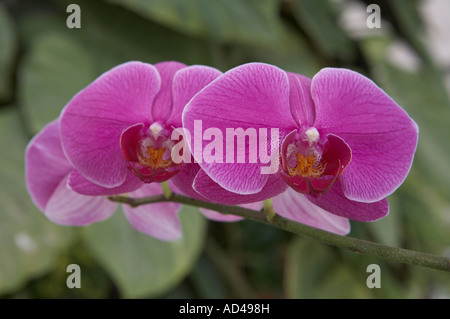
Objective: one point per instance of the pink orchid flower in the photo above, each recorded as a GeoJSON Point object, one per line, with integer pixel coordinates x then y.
{"type": "Point", "coordinates": [117, 131]}
{"type": "Point", "coordinates": [345, 145]}
{"type": "Point", "coordinates": [48, 172]}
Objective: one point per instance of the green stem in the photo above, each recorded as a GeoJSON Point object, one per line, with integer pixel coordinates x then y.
{"type": "Point", "coordinates": [268, 210]}
{"type": "Point", "coordinates": [356, 245]}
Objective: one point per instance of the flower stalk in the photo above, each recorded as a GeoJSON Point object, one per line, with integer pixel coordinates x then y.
{"type": "Point", "coordinates": [353, 244]}
{"type": "Point", "coordinates": [166, 190]}
{"type": "Point", "coordinates": [268, 210]}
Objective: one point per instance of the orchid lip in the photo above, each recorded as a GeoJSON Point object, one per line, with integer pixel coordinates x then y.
{"type": "Point", "coordinates": [311, 167]}
{"type": "Point", "coordinates": [147, 150]}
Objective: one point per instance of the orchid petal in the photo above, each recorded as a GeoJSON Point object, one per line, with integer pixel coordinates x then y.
{"type": "Point", "coordinates": [302, 106]}
{"type": "Point", "coordinates": [251, 96]}
{"type": "Point", "coordinates": [336, 154]}
{"type": "Point", "coordinates": [65, 207]}
{"type": "Point", "coordinates": [81, 185]}
{"type": "Point", "coordinates": [209, 189]}
{"type": "Point", "coordinates": [183, 182]}
{"type": "Point", "coordinates": [334, 201]}
{"type": "Point", "coordinates": [186, 83]}
{"type": "Point", "coordinates": [216, 216]}
{"type": "Point", "coordinates": [93, 121]}
{"type": "Point", "coordinates": [130, 141]}
{"type": "Point", "coordinates": [296, 206]}
{"type": "Point", "coordinates": [382, 136]}
{"type": "Point", "coordinates": [162, 107]}
{"type": "Point", "coordinates": [46, 166]}
{"type": "Point", "coordinates": [159, 220]}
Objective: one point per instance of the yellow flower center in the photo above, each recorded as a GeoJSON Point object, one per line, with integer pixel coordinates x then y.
{"type": "Point", "coordinates": [154, 158]}
{"type": "Point", "coordinates": [307, 166]}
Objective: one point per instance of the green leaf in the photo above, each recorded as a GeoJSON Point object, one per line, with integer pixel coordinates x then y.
{"type": "Point", "coordinates": [55, 69]}
{"type": "Point", "coordinates": [319, 19]}
{"type": "Point", "coordinates": [60, 61]}
{"type": "Point", "coordinates": [8, 49]}
{"type": "Point", "coordinates": [143, 266]}
{"type": "Point", "coordinates": [291, 52]}
{"type": "Point", "coordinates": [410, 25]}
{"type": "Point", "coordinates": [250, 21]}
{"type": "Point", "coordinates": [29, 242]}
{"type": "Point", "coordinates": [132, 37]}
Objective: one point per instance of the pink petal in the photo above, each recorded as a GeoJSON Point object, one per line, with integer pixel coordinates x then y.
{"type": "Point", "coordinates": [299, 183]}
{"type": "Point", "coordinates": [159, 220]}
{"type": "Point", "coordinates": [182, 183]}
{"type": "Point", "coordinates": [130, 141]}
{"type": "Point", "coordinates": [213, 215]}
{"type": "Point", "coordinates": [251, 96]}
{"type": "Point", "coordinates": [45, 164]}
{"type": "Point", "coordinates": [302, 106]}
{"type": "Point", "coordinates": [47, 173]}
{"type": "Point", "coordinates": [186, 83]}
{"type": "Point", "coordinates": [81, 185]}
{"type": "Point", "coordinates": [162, 107]}
{"type": "Point", "coordinates": [335, 202]}
{"type": "Point", "coordinates": [206, 187]}
{"type": "Point", "coordinates": [65, 207]}
{"type": "Point", "coordinates": [92, 122]}
{"type": "Point", "coordinates": [337, 154]}
{"type": "Point", "coordinates": [382, 136]}
{"type": "Point", "coordinates": [296, 206]}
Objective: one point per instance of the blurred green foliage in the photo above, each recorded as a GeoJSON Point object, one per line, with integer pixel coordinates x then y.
{"type": "Point", "coordinates": [43, 64]}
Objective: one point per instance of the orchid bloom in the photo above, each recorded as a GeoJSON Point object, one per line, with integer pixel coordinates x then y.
{"type": "Point", "coordinates": [48, 173]}
{"type": "Point", "coordinates": [117, 131]}
{"type": "Point", "coordinates": [345, 144]}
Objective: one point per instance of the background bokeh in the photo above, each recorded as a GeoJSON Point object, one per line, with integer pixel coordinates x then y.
{"type": "Point", "coordinates": [43, 64]}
